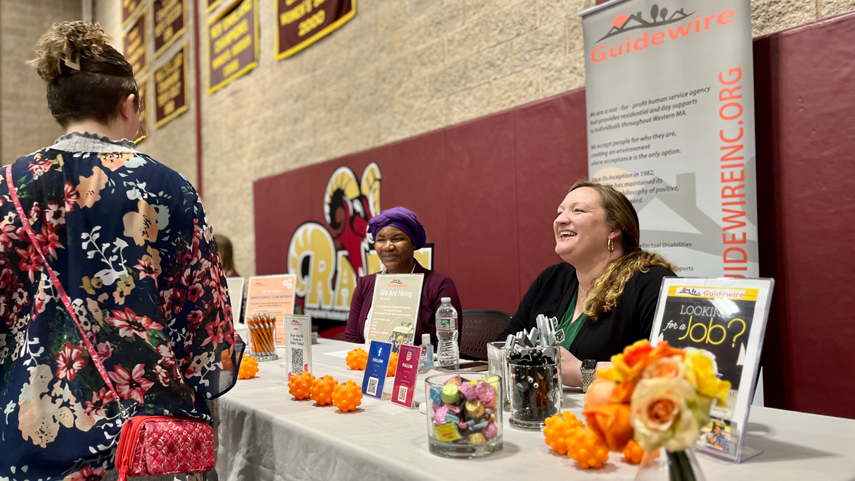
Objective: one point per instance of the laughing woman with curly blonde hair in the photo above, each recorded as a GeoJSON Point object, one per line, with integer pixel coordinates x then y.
{"type": "Point", "coordinates": [605, 291]}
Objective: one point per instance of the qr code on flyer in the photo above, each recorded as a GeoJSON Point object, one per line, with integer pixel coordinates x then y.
{"type": "Point", "coordinates": [372, 386]}
{"type": "Point", "coordinates": [402, 394]}
{"type": "Point", "coordinates": [296, 361]}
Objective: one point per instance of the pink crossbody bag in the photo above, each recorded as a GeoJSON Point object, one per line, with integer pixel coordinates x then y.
{"type": "Point", "coordinates": [148, 445]}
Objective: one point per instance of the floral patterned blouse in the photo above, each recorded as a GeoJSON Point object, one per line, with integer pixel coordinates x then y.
{"type": "Point", "coordinates": [129, 241]}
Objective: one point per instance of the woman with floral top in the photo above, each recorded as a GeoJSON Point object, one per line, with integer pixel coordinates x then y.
{"type": "Point", "coordinates": [130, 243]}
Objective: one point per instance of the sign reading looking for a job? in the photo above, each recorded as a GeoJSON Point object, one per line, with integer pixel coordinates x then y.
{"type": "Point", "coordinates": [232, 43]}
{"type": "Point", "coordinates": [170, 21]}
{"type": "Point", "coordinates": [171, 89]}
{"type": "Point", "coordinates": [135, 43]}
{"type": "Point", "coordinates": [301, 23]}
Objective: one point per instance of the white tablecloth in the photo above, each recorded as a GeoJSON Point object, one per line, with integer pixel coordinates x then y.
{"type": "Point", "coordinates": [266, 435]}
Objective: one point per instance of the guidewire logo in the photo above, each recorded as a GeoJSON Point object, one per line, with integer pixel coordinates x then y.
{"type": "Point", "coordinates": [684, 25]}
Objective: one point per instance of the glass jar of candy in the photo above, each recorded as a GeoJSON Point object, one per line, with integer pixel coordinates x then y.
{"type": "Point", "coordinates": [534, 385]}
{"type": "Point", "coordinates": [464, 415]}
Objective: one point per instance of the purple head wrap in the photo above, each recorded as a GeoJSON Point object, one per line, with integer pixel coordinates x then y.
{"type": "Point", "coordinates": [401, 218]}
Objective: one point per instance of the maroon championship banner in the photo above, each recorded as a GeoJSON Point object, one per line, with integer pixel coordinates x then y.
{"type": "Point", "coordinates": [134, 42]}
{"type": "Point", "coordinates": [232, 43]}
{"type": "Point", "coordinates": [301, 23]}
{"type": "Point", "coordinates": [142, 133]}
{"type": "Point", "coordinates": [212, 4]}
{"type": "Point", "coordinates": [170, 21]}
{"type": "Point", "coordinates": [129, 9]}
{"type": "Point", "coordinates": [171, 89]}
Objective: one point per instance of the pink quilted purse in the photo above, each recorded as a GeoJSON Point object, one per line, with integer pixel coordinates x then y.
{"type": "Point", "coordinates": [157, 445]}
{"type": "Point", "coordinates": [148, 445]}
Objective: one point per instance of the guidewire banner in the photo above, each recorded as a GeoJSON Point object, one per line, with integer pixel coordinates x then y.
{"type": "Point", "coordinates": [670, 114]}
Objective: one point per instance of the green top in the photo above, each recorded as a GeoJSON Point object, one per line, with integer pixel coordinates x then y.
{"type": "Point", "coordinates": [571, 329]}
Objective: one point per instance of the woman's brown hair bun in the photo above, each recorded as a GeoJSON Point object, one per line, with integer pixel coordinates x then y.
{"type": "Point", "coordinates": [65, 44]}
{"type": "Point", "coordinates": [86, 78]}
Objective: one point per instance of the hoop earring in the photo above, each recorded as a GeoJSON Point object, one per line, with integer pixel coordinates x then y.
{"type": "Point", "coordinates": [611, 246]}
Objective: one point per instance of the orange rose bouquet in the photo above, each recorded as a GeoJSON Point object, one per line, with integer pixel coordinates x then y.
{"type": "Point", "coordinates": [659, 396]}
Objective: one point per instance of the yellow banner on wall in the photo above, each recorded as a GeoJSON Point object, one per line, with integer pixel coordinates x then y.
{"type": "Point", "coordinates": [232, 43]}
{"type": "Point", "coordinates": [135, 45]}
{"type": "Point", "coordinates": [171, 89]}
{"type": "Point", "coordinates": [300, 23]}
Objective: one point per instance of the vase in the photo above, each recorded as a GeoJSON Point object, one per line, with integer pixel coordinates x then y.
{"type": "Point", "coordinates": [662, 465]}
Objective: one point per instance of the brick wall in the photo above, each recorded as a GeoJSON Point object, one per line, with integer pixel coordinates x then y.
{"type": "Point", "coordinates": [398, 69]}
{"type": "Point", "coordinates": [25, 121]}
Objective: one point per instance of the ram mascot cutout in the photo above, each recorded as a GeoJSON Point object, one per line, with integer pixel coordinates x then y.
{"type": "Point", "coordinates": [327, 260]}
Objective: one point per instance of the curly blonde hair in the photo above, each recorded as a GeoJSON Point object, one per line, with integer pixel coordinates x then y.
{"type": "Point", "coordinates": [86, 77]}
{"type": "Point", "coordinates": [608, 288]}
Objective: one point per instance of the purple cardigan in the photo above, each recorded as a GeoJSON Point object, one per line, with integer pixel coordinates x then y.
{"type": "Point", "coordinates": [434, 288]}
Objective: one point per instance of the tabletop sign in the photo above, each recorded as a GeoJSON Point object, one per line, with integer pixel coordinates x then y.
{"type": "Point", "coordinates": [135, 45]}
{"type": "Point", "coordinates": [232, 43]}
{"type": "Point", "coordinates": [274, 296]}
{"type": "Point", "coordinates": [236, 297]}
{"type": "Point", "coordinates": [171, 89]}
{"type": "Point", "coordinates": [375, 371]}
{"type": "Point", "coordinates": [170, 22]}
{"type": "Point", "coordinates": [406, 374]}
{"type": "Point", "coordinates": [727, 319]}
{"type": "Point", "coordinates": [299, 343]}
{"type": "Point", "coordinates": [142, 133]}
{"type": "Point", "coordinates": [395, 309]}
{"type": "Point", "coordinates": [304, 22]}
{"type": "Point", "coordinates": [129, 9]}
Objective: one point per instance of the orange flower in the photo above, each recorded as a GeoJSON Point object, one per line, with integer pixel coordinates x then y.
{"type": "Point", "coordinates": [637, 353]}
{"type": "Point", "coordinates": [611, 424]}
{"type": "Point", "coordinates": [599, 393]}
{"type": "Point", "coordinates": [142, 225]}
{"type": "Point", "coordinates": [114, 160]}
{"type": "Point", "coordinates": [89, 188]}
{"type": "Point", "coordinates": [667, 412]}
{"type": "Point", "coordinates": [672, 367]}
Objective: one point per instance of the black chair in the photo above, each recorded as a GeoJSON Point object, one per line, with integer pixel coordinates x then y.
{"type": "Point", "coordinates": [477, 328]}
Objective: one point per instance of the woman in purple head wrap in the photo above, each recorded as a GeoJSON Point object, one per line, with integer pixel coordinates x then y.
{"type": "Point", "coordinates": [397, 234]}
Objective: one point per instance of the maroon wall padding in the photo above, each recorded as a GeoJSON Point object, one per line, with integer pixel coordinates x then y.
{"type": "Point", "coordinates": [487, 191]}
{"type": "Point", "coordinates": [805, 100]}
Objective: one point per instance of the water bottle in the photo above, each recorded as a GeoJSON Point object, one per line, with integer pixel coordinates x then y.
{"type": "Point", "coordinates": [426, 357]}
{"type": "Point", "coordinates": [448, 356]}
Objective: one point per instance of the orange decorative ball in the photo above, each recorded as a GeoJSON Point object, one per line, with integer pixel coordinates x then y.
{"type": "Point", "coordinates": [558, 430]}
{"type": "Point", "coordinates": [248, 368]}
{"type": "Point", "coordinates": [632, 453]}
{"type": "Point", "coordinates": [587, 449]}
{"type": "Point", "coordinates": [300, 385]}
{"type": "Point", "coordinates": [357, 359]}
{"type": "Point", "coordinates": [322, 390]}
{"type": "Point", "coordinates": [393, 365]}
{"type": "Point", "coordinates": [347, 396]}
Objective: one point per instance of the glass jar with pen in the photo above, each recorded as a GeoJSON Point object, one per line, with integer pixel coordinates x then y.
{"type": "Point", "coordinates": [534, 374]}
{"type": "Point", "coordinates": [262, 332]}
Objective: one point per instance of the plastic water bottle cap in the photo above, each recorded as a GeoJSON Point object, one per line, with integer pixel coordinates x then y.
{"type": "Point", "coordinates": [425, 339]}
{"type": "Point", "coordinates": [446, 299]}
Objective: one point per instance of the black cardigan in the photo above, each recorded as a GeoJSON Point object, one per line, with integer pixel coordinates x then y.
{"type": "Point", "coordinates": [630, 320]}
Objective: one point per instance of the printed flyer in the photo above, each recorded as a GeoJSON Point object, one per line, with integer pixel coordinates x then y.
{"type": "Point", "coordinates": [727, 319]}
{"type": "Point", "coordinates": [272, 296]}
{"type": "Point", "coordinates": [395, 309]}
